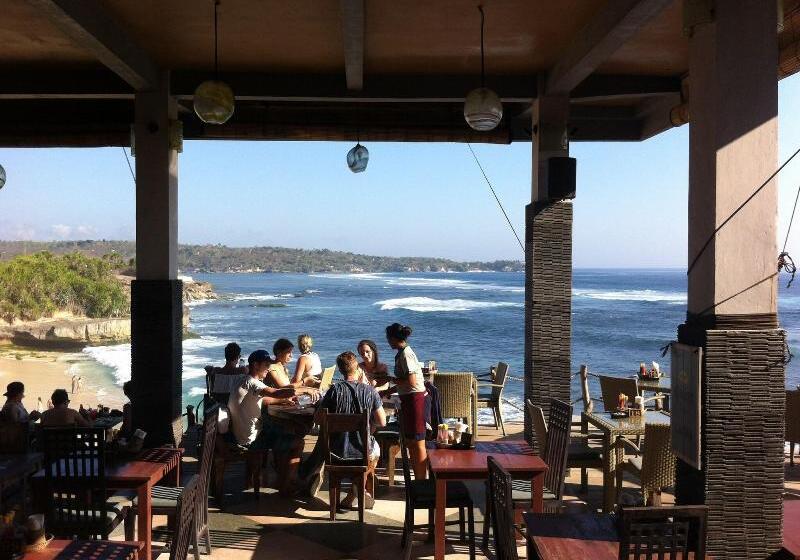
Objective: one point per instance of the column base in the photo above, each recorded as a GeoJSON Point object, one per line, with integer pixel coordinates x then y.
{"type": "Point", "coordinates": [743, 396]}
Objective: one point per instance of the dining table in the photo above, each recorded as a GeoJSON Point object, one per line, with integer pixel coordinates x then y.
{"type": "Point", "coordinates": [613, 455]}
{"type": "Point", "coordinates": [791, 528]}
{"type": "Point", "coordinates": [657, 386]}
{"type": "Point", "coordinates": [298, 419]}
{"type": "Point", "coordinates": [83, 550]}
{"type": "Point", "coordinates": [447, 464]}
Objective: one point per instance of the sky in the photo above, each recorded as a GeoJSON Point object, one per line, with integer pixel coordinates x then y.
{"type": "Point", "coordinates": [413, 200]}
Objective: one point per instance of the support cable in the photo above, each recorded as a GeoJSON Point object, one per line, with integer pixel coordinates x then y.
{"type": "Point", "coordinates": [130, 167]}
{"type": "Point", "coordinates": [785, 262]}
{"type": "Point", "coordinates": [500, 204]}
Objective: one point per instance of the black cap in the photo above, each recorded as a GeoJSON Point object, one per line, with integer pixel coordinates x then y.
{"type": "Point", "coordinates": [258, 356]}
{"type": "Point", "coordinates": [14, 388]}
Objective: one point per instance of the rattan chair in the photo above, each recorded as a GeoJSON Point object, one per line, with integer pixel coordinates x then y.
{"type": "Point", "coordinates": [457, 397]}
{"type": "Point", "coordinates": [501, 512]}
{"type": "Point", "coordinates": [792, 421]}
{"type": "Point", "coordinates": [77, 496]}
{"type": "Point", "coordinates": [421, 494]}
{"type": "Point", "coordinates": [492, 397]}
{"type": "Point", "coordinates": [187, 505]}
{"type": "Point", "coordinates": [668, 533]}
{"type": "Point", "coordinates": [653, 464]}
{"type": "Point", "coordinates": [327, 378]}
{"type": "Point", "coordinates": [611, 387]}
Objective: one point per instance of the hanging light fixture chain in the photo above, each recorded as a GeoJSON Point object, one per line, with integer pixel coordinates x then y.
{"type": "Point", "coordinates": [483, 73]}
{"type": "Point", "coordinates": [216, 42]}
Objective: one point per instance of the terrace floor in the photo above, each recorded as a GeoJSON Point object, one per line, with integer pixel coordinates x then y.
{"type": "Point", "coordinates": [268, 526]}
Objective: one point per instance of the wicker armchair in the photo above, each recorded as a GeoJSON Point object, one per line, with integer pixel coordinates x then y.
{"type": "Point", "coordinates": [458, 397]}
{"type": "Point", "coordinates": [792, 421]}
{"type": "Point", "coordinates": [654, 464]}
{"type": "Point", "coordinates": [492, 397]}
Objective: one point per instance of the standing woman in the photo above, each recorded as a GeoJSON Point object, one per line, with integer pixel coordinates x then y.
{"type": "Point", "coordinates": [309, 366]}
{"type": "Point", "coordinates": [411, 388]}
{"type": "Point", "coordinates": [375, 372]}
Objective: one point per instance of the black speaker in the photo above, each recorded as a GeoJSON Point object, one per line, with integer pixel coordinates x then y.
{"type": "Point", "coordinates": [561, 178]}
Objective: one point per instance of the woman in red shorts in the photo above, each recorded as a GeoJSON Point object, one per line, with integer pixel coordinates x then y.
{"type": "Point", "coordinates": [411, 388]}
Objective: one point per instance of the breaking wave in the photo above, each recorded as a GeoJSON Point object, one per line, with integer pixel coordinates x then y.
{"type": "Point", "coordinates": [674, 298]}
{"type": "Point", "coordinates": [426, 304]}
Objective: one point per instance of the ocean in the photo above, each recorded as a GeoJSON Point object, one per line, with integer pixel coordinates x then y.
{"type": "Point", "coordinates": [464, 321]}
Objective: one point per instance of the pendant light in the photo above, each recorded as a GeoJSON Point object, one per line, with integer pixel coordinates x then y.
{"type": "Point", "coordinates": [213, 99]}
{"type": "Point", "coordinates": [358, 157]}
{"type": "Point", "coordinates": [483, 110]}
{"type": "Point", "coordinates": [2, 177]}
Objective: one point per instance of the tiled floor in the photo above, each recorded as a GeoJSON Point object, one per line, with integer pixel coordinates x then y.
{"type": "Point", "coordinates": [274, 528]}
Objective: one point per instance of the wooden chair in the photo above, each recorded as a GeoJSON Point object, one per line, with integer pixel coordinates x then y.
{"type": "Point", "coordinates": [186, 506]}
{"type": "Point", "coordinates": [501, 512]}
{"type": "Point", "coordinates": [164, 499]}
{"type": "Point", "coordinates": [669, 533]}
{"type": "Point", "coordinates": [458, 397]}
{"type": "Point", "coordinates": [327, 378]}
{"type": "Point", "coordinates": [792, 421]}
{"type": "Point", "coordinates": [75, 482]}
{"type": "Point", "coordinates": [492, 398]}
{"type": "Point", "coordinates": [653, 464]}
{"type": "Point", "coordinates": [555, 455]}
{"type": "Point", "coordinates": [338, 469]}
{"type": "Point", "coordinates": [421, 494]}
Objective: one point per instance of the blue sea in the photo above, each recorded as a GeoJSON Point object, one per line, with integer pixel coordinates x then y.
{"type": "Point", "coordinates": [464, 321]}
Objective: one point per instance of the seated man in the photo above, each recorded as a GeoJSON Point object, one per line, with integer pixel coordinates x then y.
{"type": "Point", "coordinates": [61, 415]}
{"type": "Point", "coordinates": [228, 377]}
{"type": "Point", "coordinates": [351, 396]}
{"type": "Point", "coordinates": [254, 431]}
{"type": "Point", "coordinates": [13, 409]}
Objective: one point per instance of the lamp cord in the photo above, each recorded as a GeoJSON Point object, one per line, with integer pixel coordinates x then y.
{"type": "Point", "coordinates": [500, 204]}
{"type": "Point", "coordinates": [483, 74]}
{"type": "Point", "coordinates": [130, 167]}
{"type": "Point", "coordinates": [216, 43]}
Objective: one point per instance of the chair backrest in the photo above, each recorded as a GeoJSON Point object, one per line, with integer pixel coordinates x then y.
{"type": "Point", "coordinates": [404, 454]}
{"type": "Point", "coordinates": [177, 432]}
{"type": "Point", "coordinates": [455, 394]}
{"type": "Point", "coordinates": [586, 396]}
{"type": "Point", "coordinates": [555, 452]}
{"type": "Point", "coordinates": [793, 416]}
{"type": "Point", "coordinates": [539, 425]}
{"type": "Point", "coordinates": [74, 468]}
{"type": "Point", "coordinates": [185, 520]}
{"type": "Point", "coordinates": [500, 374]}
{"type": "Point", "coordinates": [664, 532]}
{"type": "Point", "coordinates": [327, 378]}
{"type": "Point", "coordinates": [500, 500]}
{"type": "Point", "coordinates": [14, 436]}
{"type": "Point", "coordinates": [658, 461]}
{"type": "Point", "coordinates": [611, 387]}
{"type": "Point", "coordinates": [332, 424]}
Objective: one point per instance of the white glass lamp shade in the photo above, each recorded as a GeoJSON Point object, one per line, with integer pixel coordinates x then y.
{"type": "Point", "coordinates": [483, 110]}
{"type": "Point", "coordinates": [357, 158]}
{"type": "Point", "coordinates": [214, 102]}
{"type": "Point", "coordinates": [2, 177]}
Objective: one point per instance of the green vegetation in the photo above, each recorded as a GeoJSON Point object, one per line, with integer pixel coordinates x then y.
{"type": "Point", "coordinates": [39, 285]}
{"type": "Point", "coordinates": [218, 258]}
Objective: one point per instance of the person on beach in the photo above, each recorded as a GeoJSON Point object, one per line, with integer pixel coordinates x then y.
{"type": "Point", "coordinates": [411, 388]}
{"type": "Point", "coordinates": [74, 387]}
{"type": "Point", "coordinates": [251, 427]}
{"type": "Point", "coordinates": [229, 376]}
{"type": "Point", "coordinates": [309, 367]}
{"type": "Point", "coordinates": [61, 415]}
{"type": "Point", "coordinates": [374, 372]}
{"type": "Point", "coordinates": [278, 373]}
{"type": "Point", "coordinates": [13, 408]}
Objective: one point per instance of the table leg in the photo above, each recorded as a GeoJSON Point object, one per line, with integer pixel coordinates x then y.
{"type": "Point", "coordinates": [609, 481]}
{"type": "Point", "coordinates": [145, 528]}
{"type": "Point", "coordinates": [537, 493]}
{"type": "Point", "coordinates": [438, 521]}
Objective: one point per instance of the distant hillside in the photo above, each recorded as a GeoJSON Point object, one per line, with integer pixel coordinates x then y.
{"type": "Point", "coordinates": [218, 258]}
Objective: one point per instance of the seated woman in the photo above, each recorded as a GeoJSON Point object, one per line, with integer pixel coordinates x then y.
{"type": "Point", "coordinates": [278, 374]}
{"type": "Point", "coordinates": [309, 366]}
{"type": "Point", "coordinates": [13, 409]}
{"type": "Point", "coordinates": [61, 416]}
{"type": "Point", "coordinates": [374, 371]}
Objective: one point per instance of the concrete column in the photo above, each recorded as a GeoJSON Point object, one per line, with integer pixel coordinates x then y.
{"type": "Point", "coordinates": [732, 288]}
{"type": "Point", "coordinates": [156, 294]}
{"type": "Point", "coordinates": [548, 267]}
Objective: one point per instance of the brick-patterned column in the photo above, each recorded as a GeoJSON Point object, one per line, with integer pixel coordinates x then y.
{"type": "Point", "coordinates": [548, 304]}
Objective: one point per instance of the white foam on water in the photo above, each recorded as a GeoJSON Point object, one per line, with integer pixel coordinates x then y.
{"type": "Point", "coordinates": [258, 297]}
{"type": "Point", "coordinates": [352, 276]}
{"type": "Point", "coordinates": [197, 391]}
{"type": "Point", "coordinates": [673, 298]}
{"type": "Point", "coordinates": [116, 357]}
{"type": "Point", "coordinates": [451, 283]}
{"type": "Point", "coordinates": [426, 304]}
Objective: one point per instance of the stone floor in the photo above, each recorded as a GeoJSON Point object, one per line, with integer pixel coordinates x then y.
{"type": "Point", "coordinates": [268, 526]}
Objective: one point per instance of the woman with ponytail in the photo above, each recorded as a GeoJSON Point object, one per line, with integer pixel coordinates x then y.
{"type": "Point", "coordinates": [411, 388]}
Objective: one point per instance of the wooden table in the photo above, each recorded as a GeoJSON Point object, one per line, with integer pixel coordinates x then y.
{"type": "Point", "coordinates": [791, 528]}
{"type": "Point", "coordinates": [81, 550]}
{"type": "Point", "coordinates": [611, 429]}
{"type": "Point", "coordinates": [16, 468]}
{"type": "Point", "coordinates": [455, 464]}
{"type": "Point", "coordinates": [295, 419]}
{"type": "Point", "coordinates": [141, 474]}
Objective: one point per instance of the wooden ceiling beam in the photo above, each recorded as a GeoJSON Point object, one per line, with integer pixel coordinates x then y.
{"type": "Point", "coordinates": [606, 87]}
{"type": "Point", "coordinates": [353, 30]}
{"type": "Point", "coordinates": [606, 32]}
{"type": "Point", "coordinates": [88, 25]}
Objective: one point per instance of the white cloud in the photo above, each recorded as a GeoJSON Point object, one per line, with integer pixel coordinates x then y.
{"type": "Point", "coordinates": [18, 232]}
{"type": "Point", "coordinates": [63, 231]}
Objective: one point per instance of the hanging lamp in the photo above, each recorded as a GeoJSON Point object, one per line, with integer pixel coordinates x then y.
{"type": "Point", "coordinates": [2, 177]}
{"type": "Point", "coordinates": [357, 158]}
{"type": "Point", "coordinates": [483, 109]}
{"type": "Point", "coordinates": [213, 99]}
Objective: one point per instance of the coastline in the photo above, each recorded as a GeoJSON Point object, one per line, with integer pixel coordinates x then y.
{"type": "Point", "coordinates": [44, 371]}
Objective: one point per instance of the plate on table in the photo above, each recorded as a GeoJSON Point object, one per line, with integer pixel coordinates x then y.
{"type": "Point", "coordinates": [620, 414]}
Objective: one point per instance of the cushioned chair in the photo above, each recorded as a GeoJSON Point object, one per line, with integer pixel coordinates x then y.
{"type": "Point", "coordinates": [490, 394]}
{"type": "Point", "coordinates": [421, 494]}
{"type": "Point", "coordinates": [653, 464]}
{"type": "Point", "coordinates": [668, 533]}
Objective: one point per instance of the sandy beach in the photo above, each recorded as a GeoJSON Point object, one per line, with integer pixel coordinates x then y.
{"type": "Point", "coordinates": [44, 371]}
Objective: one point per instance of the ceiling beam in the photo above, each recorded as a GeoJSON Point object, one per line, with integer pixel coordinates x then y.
{"type": "Point", "coordinates": [598, 87]}
{"type": "Point", "coordinates": [88, 25]}
{"type": "Point", "coordinates": [353, 29]}
{"type": "Point", "coordinates": [606, 32]}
